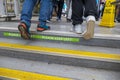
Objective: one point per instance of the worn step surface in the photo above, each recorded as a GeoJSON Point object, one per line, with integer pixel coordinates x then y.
{"type": "Point", "coordinates": [61, 46]}
{"type": "Point", "coordinates": [60, 31]}
{"type": "Point", "coordinates": [25, 67]}
{"type": "Point", "coordinates": [62, 53]}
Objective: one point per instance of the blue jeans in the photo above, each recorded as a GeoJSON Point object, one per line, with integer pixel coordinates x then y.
{"type": "Point", "coordinates": [50, 10]}
{"type": "Point", "coordinates": [28, 7]}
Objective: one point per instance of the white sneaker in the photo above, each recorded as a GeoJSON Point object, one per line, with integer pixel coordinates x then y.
{"type": "Point", "coordinates": [89, 33]}
{"type": "Point", "coordinates": [48, 21]}
{"type": "Point", "coordinates": [78, 29]}
{"type": "Point", "coordinates": [72, 29]}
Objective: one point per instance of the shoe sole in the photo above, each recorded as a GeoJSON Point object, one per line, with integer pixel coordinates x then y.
{"type": "Point", "coordinates": [77, 32]}
{"type": "Point", "coordinates": [90, 30]}
{"type": "Point", "coordinates": [23, 32]}
{"type": "Point", "coordinates": [43, 29]}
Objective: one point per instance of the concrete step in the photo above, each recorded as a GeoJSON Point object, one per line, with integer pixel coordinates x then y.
{"type": "Point", "coordinates": [102, 40]}
{"type": "Point", "coordinates": [36, 70]}
{"type": "Point", "coordinates": [91, 59]}
{"type": "Point", "coordinates": [63, 47]}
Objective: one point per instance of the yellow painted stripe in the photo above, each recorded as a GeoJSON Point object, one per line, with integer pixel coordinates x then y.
{"type": "Point", "coordinates": [7, 78]}
{"type": "Point", "coordinates": [63, 51]}
{"type": "Point", "coordinates": [22, 75]}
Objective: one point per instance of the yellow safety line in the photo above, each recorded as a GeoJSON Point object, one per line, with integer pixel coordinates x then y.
{"type": "Point", "coordinates": [78, 53]}
{"type": "Point", "coordinates": [22, 75]}
{"type": "Point", "coordinates": [6, 77]}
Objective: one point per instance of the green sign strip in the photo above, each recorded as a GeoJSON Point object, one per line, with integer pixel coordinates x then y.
{"type": "Point", "coordinates": [45, 37]}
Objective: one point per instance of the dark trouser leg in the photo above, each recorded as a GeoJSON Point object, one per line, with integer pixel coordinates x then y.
{"type": "Point", "coordinates": [90, 14]}
{"type": "Point", "coordinates": [90, 7]}
{"type": "Point", "coordinates": [60, 7]}
{"type": "Point", "coordinates": [77, 11]}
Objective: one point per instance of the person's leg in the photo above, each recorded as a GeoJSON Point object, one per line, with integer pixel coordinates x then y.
{"type": "Point", "coordinates": [55, 8]}
{"type": "Point", "coordinates": [90, 14]}
{"type": "Point", "coordinates": [60, 7]}
{"type": "Point", "coordinates": [26, 15]}
{"type": "Point", "coordinates": [44, 12]}
{"type": "Point", "coordinates": [50, 11]}
{"type": "Point", "coordinates": [68, 7]}
{"type": "Point", "coordinates": [77, 13]}
{"type": "Point", "coordinates": [90, 8]}
{"type": "Point", "coordinates": [69, 14]}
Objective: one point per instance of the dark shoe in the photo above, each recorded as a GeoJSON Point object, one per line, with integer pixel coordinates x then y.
{"type": "Point", "coordinates": [23, 31]}
{"type": "Point", "coordinates": [69, 20]}
{"type": "Point", "coordinates": [43, 28]}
